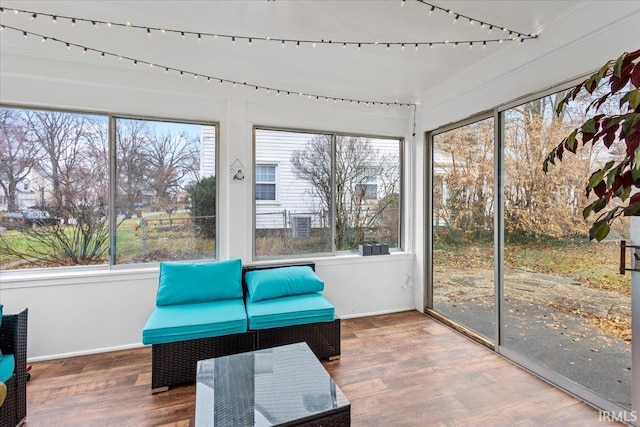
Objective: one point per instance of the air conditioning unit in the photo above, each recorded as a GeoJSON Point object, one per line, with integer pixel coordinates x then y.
{"type": "Point", "coordinates": [301, 227]}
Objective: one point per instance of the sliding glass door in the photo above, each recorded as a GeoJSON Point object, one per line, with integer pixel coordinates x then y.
{"type": "Point", "coordinates": [565, 306]}
{"type": "Point", "coordinates": [507, 245]}
{"type": "Point", "coordinates": [462, 239]}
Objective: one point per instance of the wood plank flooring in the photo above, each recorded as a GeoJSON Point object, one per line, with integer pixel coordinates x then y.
{"type": "Point", "coordinates": [402, 369]}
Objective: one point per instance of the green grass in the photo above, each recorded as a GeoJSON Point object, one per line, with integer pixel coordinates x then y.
{"type": "Point", "coordinates": [160, 240]}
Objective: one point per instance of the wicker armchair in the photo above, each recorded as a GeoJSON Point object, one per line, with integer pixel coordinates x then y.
{"type": "Point", "coordinates": [13, 340]}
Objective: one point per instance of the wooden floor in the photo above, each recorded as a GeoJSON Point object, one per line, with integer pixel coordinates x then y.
{"type": "Point", "coordinates": [401, 369]}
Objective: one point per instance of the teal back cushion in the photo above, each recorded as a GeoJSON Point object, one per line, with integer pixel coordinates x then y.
{"type": "Point", "coordinates": [188, 283]}
{"type": "Point", "coordinates": [282, 282]}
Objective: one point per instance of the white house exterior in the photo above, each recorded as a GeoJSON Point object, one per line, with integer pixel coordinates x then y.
{"type": "Point", "coordinates": [283, 200]}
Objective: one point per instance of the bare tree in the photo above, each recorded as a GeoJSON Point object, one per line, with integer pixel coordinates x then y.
{"type": "Point", "coordinates": [60, 137]}
{"type": "Point", "coordinates": [172, 161]}
{"type": "Point", "coordinates": [132, 138]}
{"type": "Point", "coordinates": [463, 196]}
{"type": "Point", "coordinates": [365, 180]}
{"type": "Point", "coordinates": [74, 163]}
{"type": "Point", "coordinates": [535, 205]}
{"type": "Point", "coordinates": [18, 155]}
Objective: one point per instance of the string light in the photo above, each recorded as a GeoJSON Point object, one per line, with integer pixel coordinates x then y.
{"type": "Point", "coordinates": [514, 35]}
{"type": "Point", "coordinates": [472, 21]}
{"type": "Point", "coordinates": [136, 61]}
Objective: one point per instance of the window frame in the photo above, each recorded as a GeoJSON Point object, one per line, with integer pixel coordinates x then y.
{"type": "Point", "coordinates": [110, 117]}
{"type": "Point", "coordinates": [334, 141]}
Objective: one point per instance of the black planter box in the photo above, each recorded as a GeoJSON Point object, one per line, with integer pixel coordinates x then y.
{"type": "Point", "coordinates": [377, 249]}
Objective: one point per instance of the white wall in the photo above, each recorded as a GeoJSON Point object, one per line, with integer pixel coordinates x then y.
{"type": "Point", "coordinates": [94, 310]}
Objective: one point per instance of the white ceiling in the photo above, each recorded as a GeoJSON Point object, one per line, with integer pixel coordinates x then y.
{"type": "Point", "coordinates": [373, 72]}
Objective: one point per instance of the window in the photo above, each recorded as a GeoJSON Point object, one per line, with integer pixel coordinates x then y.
{"type": "Point", "coordinates": [265, 182]}
{"type": "Point", "coordinates": [60, 220]}
{"type": "Point", "coordinates": [165, 191]}
{"type": "Point", "coordinates": [55, 190]}
{"type": "Point", "coordinates": [334, 192]}
{"type": "Point", "coordinates": [367, 183]}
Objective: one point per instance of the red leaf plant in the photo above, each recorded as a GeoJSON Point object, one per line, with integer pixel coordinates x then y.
{"type": "Point", "coordinates": [614, 183]}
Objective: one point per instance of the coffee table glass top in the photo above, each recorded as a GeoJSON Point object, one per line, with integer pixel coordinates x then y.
{"type": "Point", "coordinates": [265, 388]}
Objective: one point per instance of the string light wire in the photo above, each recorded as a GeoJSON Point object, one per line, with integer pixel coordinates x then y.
{"type": "Point", "coordinates": [483, 24]}
{"type": "Point", "coordinates": [221, 80]}
{"type": "Point", "coordinates": [515, 36]}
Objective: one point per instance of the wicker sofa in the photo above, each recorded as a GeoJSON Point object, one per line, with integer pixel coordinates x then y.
{"type": "Point", "coordinates": [221, 326]}
{"type": "Point", "coordinates": [13, 343]}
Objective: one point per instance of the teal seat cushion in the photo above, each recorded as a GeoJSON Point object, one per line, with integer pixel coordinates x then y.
{"type": "Point", "coordinates": [190, 321]}
{"type": "Point", "coordinates": [282, 282]}
{"type": "Point", "coordinates": [288, 311]}
{"type": "Point", "coordinates": [7, 365]}
{"type": "Point", "coordinates": [0, 325]}
{"type": "Point", "coordinates": [188, 283]}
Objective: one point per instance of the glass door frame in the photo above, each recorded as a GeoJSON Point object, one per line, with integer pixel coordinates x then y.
{"type": "Point", "coordinates": [428, 185]}
{"type": "Point", "coordinates": [548, 375]}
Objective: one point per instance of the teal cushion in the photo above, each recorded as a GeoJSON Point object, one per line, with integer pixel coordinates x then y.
{"type": "Point", "coordinates": [187, 283]}
{"type": "Point", "coordinates": [7, 365]}
{"type": "Point", "coordinates": [1, 324]}
{"type": "Point", "coordinates": [287, 311]}
{"type": "Point", "coordinates": [282, 282]}
{"type": "Point", "coordinates": [190, 321]}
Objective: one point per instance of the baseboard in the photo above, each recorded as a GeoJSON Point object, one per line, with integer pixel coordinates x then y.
{"type": "Point", "coordinates": [84, 352]}
{"type": "Point", "coordinates": [138, 345]}
{"type": "Point", "coordinates": [376, 313]}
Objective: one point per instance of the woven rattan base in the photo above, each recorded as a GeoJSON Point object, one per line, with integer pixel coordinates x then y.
{"type": "Point", "coordinates": [7, 411]}
{"type": "Point", "coordinates": [323, 338]}
{"type": "Point", "coordinates": [338, 418]}
{"type": "Point", "coordinates": [175, 363]}
{"type": "Point", "coordinates": [13, 340]}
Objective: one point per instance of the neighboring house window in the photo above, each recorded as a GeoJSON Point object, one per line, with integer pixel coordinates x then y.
{"type": "Point", "coordinates": [334, 192]}
{"type": "Point", "coordinates": [165, 197]}
{"type": "Point", "coordinates": [266, 182]}
{"type": "Point", "coordinates": [367, 186]}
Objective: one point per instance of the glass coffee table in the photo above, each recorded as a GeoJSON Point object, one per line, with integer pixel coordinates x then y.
{"type": "Point", "coordinates": [280, 386]}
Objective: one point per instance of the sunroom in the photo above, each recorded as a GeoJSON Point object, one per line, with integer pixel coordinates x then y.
{"type": "Point", "coordinates": [135, 133]}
